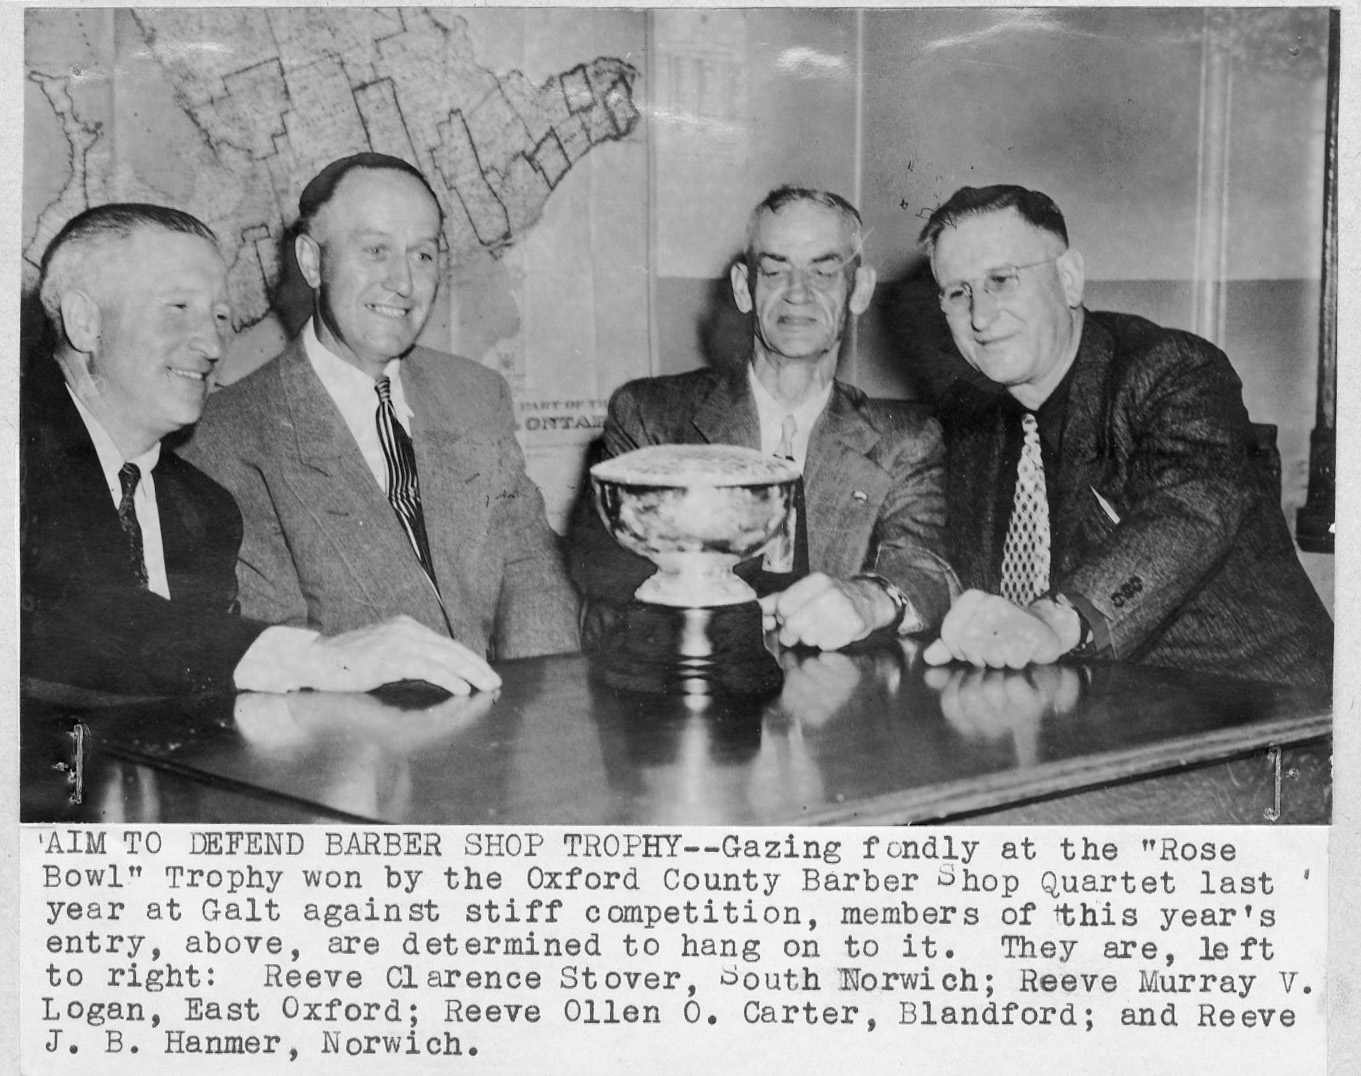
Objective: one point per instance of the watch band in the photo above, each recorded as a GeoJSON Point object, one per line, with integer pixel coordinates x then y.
{"type": "Point", "coordinates": [901, 602]}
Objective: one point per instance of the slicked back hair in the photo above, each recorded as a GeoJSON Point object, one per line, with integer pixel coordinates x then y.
{"type": "Point", "coordinates": [780, 197]}
{"type": "Point", "coordinates": [1035, 207]}
{"type": "Point", "coordinates": [322, 187]}
{"type": "Point", "coordinates": [88, 234]}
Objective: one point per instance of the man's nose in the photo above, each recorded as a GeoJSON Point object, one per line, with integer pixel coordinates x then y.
{"type": "Point", "coordinates": [398, 276]}
{"type": "Point", "coordinates": [211, 339]}
{"type": "Point", "coordinates": [799, 286]}
{"type": "Point", "coordinates": [983, 307]}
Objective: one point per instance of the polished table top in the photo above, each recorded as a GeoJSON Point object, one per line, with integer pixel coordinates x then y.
{"type": "Point", "coordinates": [870, 736]}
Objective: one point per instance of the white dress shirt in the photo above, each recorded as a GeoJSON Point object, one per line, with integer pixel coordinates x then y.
{"type": "Point", "coordinates": [354, 395]}
{"type": "Point", "coordinates": [771, 413]}
{"type": "Point", "coordinates": [143, 498]}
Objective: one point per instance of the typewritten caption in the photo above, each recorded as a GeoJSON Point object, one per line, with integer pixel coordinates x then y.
{"type": "Point", "coordinates": [335, 948]}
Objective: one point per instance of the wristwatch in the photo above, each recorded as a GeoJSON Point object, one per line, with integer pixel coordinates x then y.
{"type": "Point", "coordinates": [901, 602]}
{"type": "Point", "coordinates": [1086, 635]}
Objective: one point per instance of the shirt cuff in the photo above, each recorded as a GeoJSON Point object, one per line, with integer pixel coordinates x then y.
{"type": "Point", "coordinates": [275, 661]}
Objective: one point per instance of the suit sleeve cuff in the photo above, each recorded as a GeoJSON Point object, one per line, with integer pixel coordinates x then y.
{"type": "Point", "coordinates": [274, 662]}
{"type": "Point", "coordinates": [1100, 641]}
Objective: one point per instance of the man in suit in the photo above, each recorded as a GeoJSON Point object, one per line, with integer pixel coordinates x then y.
{"type": "Point", "coordinates": [868, 552]}
{"type": "Point", "coordinates": [128, 552]}
{"type": "Point", "coordinates": [1102, 496]}
{"type": "Point", "coordinates": [377, 476]}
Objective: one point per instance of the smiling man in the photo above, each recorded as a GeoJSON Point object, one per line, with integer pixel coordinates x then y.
{"type": "Point", "coordinates": [127, 552]}
{"type": "Point", "coordinates": [865, 554]}
{"type": "Point", "coordinates": [376, 476]}
{"type": "Point", "coordinates": [1102, 494]}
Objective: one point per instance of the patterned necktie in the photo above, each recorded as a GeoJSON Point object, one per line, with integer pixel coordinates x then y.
{"type": "Point", "coordinates": [1025, 556]}
{"type": "Point", "coordinates": [128, 477]}
{"type": "Point", "coordinates": [404, 488]}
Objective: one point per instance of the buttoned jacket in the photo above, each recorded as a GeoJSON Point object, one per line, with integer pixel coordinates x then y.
{"type": "Point", "coordinates": [1162, 519]}
{"type": "Point", "coordinates": [323, 547]}
{"type": "Point", "coordinates": [872, 478]}
{"type": "Point", "coordinates": [85, 617]}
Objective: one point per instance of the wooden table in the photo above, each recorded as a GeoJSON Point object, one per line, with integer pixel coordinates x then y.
{"type": "Point", "coordinates": [861, 737]}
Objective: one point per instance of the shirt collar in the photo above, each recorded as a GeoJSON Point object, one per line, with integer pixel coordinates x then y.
{"type": "Point", "coordinates": [111, 460]}
{"type": "Point", "coordinates": [349, 386]}
{"type": "Point", "coordinates": [771, 410]}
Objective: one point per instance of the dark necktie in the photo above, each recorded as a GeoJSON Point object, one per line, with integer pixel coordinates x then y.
{"type": "Point", "coordinates": [128, 477]}
{"type": "Point", "coordinates": [404, 488]}
{"type": "Point", "coordinates": [1025, 555]}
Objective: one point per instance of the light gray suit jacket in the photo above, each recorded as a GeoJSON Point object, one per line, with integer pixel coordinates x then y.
{"type": "Point", "coordinates": [322, 546]}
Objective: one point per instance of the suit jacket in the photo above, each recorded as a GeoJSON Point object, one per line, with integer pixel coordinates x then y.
{"type": "Point", "coordinates": [1200, 571]}
{"type": "Point", "coordinates": [323, 547]}
{"type": "Point", "coordinates": [873, 496]}
{"type": "Point", "coordinates": [85, 620]}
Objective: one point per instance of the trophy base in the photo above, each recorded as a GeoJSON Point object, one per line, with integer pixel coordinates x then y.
{"type": "Point", "coordinates": [668, 650]}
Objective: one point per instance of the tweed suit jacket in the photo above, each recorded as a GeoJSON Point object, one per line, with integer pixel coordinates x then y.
{"type": "Point", "coordinates": [85, 618]}
{"type": "Point", "coordinates": [323, 547]}
{"type": "Point", "coordinates": [872, 482]}
{"type": "Point", "coordinates": [1200, 571]}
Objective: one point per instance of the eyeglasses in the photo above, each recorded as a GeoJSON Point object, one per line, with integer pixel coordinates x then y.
{"type": "Point", "coordinates": [1000, 283]}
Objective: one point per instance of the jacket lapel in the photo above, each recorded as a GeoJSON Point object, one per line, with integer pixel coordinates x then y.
{"type": "Point", "coordinates": [347, 505]}
{"type": "Point", "coordinates": [1084, 429]}
{"type": "Point", "coordinates": [727, 414]}
{"type": "Point", "coordinates": [843, 485]}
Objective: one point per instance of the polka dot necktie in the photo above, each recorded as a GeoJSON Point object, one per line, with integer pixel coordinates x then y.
{"type": "Point", "coordinates": [1025, 554]}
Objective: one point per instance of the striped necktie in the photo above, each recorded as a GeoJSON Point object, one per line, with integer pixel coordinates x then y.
{"type": "Point", "coordinates": [1025, 554]}
{"type": "Point", "coordinates": [128, 477]}
{"type": "Point", "coordinates": [403, 488]}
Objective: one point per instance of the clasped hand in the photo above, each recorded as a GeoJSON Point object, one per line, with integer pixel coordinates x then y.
{"type": "Point", "coordinates": [988, 630]}
{"type": "Point", "coordinates": [826, 613]}
{"type": "Point", "coordinates": [396, 649]}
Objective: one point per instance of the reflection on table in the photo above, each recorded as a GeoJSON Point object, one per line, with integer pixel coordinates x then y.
{"type": "Point", "coordinates": [869, 735]}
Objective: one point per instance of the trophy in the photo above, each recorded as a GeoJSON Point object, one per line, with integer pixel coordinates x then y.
{"type": "Point", "coordinates": [695, 511]}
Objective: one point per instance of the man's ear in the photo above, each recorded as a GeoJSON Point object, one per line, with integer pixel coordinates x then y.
{"type": "Point", "coordinates": [308, 253]}
{"type": "Point", "coordinates": [741, 286]}
{"type": "Point", "coordinates": [861, 293]}
{"type": "Point", "coordinates": [80, 320]}
{"type": "Point", "coordinates": [1073, 276]}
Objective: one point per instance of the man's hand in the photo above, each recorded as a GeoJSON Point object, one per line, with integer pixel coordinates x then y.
{"type": "Point", "coordinates": [396, 649]}
{"type": "Point", "coordinates": [827, 613]}
{"type": "Point", "coordinates": [987, 630]}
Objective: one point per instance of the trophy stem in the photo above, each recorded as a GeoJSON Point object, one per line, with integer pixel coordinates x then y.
{"type": "Point", "coordinates": [694, 580]}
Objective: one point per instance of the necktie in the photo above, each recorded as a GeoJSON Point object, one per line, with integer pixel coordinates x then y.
{"type": "Point", "coordinates": [1025, 554]}
{"type": "Point", "coordinates": [787, 429]}
{"type": "Point", "coordinates": [128, 477]}
{"type": "Point", "coordinates": [780, 550]}
{"type": "Point", "coordinates": [403, 488]}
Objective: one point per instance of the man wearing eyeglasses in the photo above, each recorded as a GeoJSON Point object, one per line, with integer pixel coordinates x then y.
{"type": "Point", "coordinates": [1102, 497]}
{"type": "Point", "coordinates": [866, 552]}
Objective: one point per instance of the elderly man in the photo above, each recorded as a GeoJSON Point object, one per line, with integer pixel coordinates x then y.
{"type": "Point", "coordinates": [376, 476]}
{"type": "Point", "coordinates": [867, 552]}
{"type": "Point", "coordinates": [1102, 497]}
{"type": "Point", "coordinates": [128, 552]}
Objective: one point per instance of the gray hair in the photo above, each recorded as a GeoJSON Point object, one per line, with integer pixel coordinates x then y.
{"type": "Point", "coordinates": [780, 197]}
{"type": "Point", "coordinates": [90, 233]}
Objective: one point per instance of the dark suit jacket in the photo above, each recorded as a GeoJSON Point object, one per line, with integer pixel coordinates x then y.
{"type": "Point", "coordinates": [872, 482]}
{"type": "Point", "coordinates": [1200, 572]}
{"type": "Point", "coordinates": [323, 547]}
{"type": "Point", "coordinates": [84, 618]}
